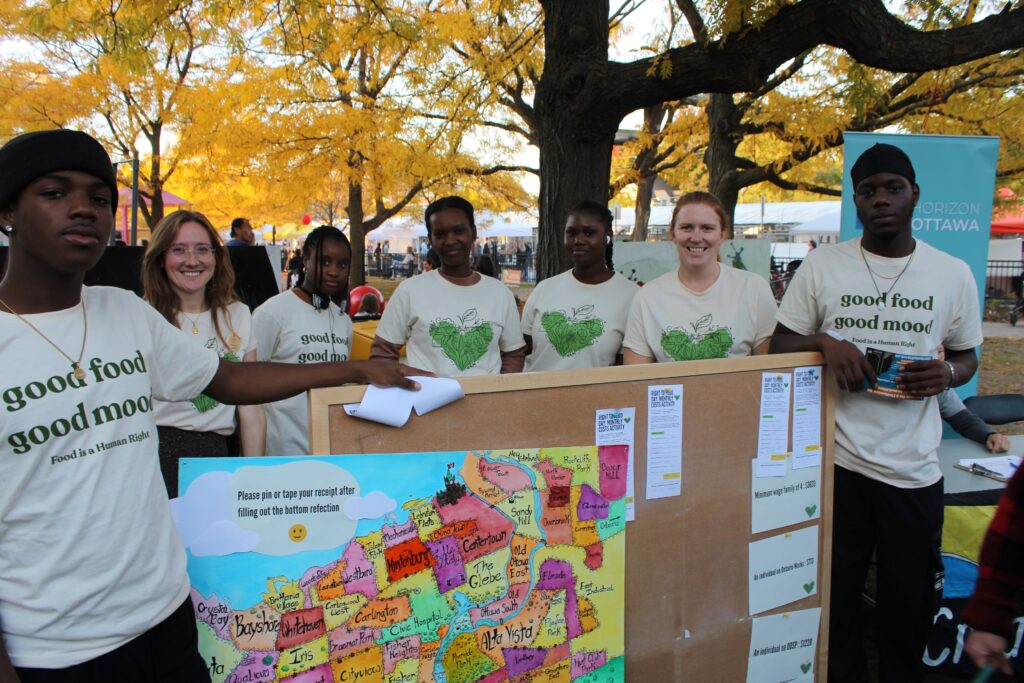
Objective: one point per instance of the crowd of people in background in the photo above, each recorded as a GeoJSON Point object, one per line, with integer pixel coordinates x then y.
{"type": "Point", "coordinates": [204, 371]}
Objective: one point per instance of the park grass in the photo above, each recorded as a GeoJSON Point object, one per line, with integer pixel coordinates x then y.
{"type": "Point", "coordinates": [386, 287]}
{"type": "Point", "coordinates": [1002, 366]}
{"type": "Point", "coordinates": [1002, 372]}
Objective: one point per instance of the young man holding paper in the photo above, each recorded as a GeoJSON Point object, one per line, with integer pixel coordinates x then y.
{"type": "Point", "coordinates": [878, 308]}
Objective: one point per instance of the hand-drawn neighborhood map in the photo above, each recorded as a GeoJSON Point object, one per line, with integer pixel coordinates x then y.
{"type": "Point", "coordinates": [451, 567]}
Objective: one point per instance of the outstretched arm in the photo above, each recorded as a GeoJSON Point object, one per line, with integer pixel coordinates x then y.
{"type": "Point", "coordinates": [247, 383]}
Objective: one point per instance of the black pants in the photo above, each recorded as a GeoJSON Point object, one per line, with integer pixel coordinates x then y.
{"type": "Point", "coordinates": [180, 443]}
{"type": "Point", "coordinates": [902, 528]}
{"type": "Point", "coordinates": [166, 653]}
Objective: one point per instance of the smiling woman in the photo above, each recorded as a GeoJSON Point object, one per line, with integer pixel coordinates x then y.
{"type": "Point", "coordinates": [453, 321]}
{"type": "Point", "coordinates": [705, 309]}
{"type": "Point", "coordinates": [187, 276]}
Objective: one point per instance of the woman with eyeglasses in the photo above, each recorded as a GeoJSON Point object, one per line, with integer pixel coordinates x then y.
{"type": "Point", "coordinates": [187, 276]}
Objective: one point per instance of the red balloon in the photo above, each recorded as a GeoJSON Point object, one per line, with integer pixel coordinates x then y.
{"type": "Point", "coordinates": [306, 219]}
{"type": "Point", "coordinates": [356, 296]}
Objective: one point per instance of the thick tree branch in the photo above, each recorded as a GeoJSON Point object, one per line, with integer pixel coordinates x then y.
{"type": "Point", "coordinates": [864, 29]}
{"type": "Point", "coordinates": [500, 168]}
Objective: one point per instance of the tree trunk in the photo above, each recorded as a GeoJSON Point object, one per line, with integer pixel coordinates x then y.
{"type": "Point", "coordinates": [720, 158]}
{"type": "Point", "coordinates": [642, 215]}
{"type": "Point", "coordinates": [575, 133]}
{"type": "Point", "coordinates": [156, 210]}
{"type": "Point", "coordinates": [654, 118]}
{"type": "Point", "coordinates": [356, 235]}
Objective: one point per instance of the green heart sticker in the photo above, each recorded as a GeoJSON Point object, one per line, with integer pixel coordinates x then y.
{"type": "Point", "coordinates": [628, 420]}
{"type": "Point", "coordinates": [810, 510]}
{"type": "Point", "coordinates": [808, 587]}
{"type": "Point", "coordinates": [570, 335]}
{"type": "Point", "coordinates": [805, 667]}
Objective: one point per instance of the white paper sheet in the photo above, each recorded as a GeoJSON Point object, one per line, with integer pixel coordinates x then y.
{"type": "Point", "coordinates": [783, 569]}
{"type": "Point", "coordinates": [783, 501]}
{"type": "Point", "coordinates": [773, 428]}
{"type": "Point", "coordinates": [807, 417]}
{"type": "Point", "coordinates": [664, 440]}
{"type": "Point", "coordinates": [1001, 465]}
{"type": "Point", "coordinates": [783, 647]}
{"type": "Point", "coordinates": [617, 426]}
{"type": "Point", "coordinates": [392, 405]}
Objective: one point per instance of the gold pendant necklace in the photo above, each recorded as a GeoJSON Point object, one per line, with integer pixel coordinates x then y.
{"type": "Point", "coordinates": [76, 365]}
{"type": "Point", "coordinates": [195, 325]}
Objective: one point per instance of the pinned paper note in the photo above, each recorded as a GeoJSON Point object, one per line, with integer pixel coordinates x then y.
{"type": "Point", "coordinates": [784, 501]}
{"type": "Point", "coordinates": [617, 426]}
{"type": "Point", "coordinates": [664, 440]}
{"type": "Point", "coordinates": [783, 647]}
{"type": "Point", "coordinates": [807, 417]}
{"type": "Point", "coordinates": [783, 569]}
{"type": "Point", "coordinates": [773, 424]}
{"type": "Point", "coordinates": [392, 405]}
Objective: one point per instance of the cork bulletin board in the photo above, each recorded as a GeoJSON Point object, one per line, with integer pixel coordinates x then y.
{"type": "Point", "coordinates": [687, 614]}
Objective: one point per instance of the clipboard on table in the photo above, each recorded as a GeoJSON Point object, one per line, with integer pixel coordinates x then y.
{"type": "Point", "coordinates": [999, 468]}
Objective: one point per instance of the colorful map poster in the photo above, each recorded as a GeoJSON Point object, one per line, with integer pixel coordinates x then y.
{"type": "Point", "coordinates": [449, 567]}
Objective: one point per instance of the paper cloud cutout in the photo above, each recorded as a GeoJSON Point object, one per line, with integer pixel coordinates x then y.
{"type": "Point", "coordinates": [203, 518]}
{"type": "Point", "coordinates": [373, 505]}
{"type": "Point", "coordinates": [223, 538]}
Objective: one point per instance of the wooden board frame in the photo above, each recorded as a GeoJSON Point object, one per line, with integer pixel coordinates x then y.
{"type": "Point", "coordinates": [686, 556]}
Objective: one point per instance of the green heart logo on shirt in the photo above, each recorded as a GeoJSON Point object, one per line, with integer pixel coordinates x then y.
{"type": "Point", "coordinates": [681, 346]}
{"type": "Point", "coordinates": [706, 342]}
{"type": "Point", "coordinates": [204, 403]}
{"type": "Point", "coordinates": [465, 344]}
{"type": "Point", "coordinates": [805, 667]}
{"type": "Point", "coordinates": [571, 335]}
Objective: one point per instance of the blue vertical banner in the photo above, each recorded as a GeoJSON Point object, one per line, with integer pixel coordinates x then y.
{"type": "Point", "coordinates": [957, 176]}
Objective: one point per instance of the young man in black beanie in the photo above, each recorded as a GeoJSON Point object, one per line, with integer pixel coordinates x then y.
{"type": "Point", "coordinates": [93, 586]}
{"type": "Point", "coordinates": [873, 297]}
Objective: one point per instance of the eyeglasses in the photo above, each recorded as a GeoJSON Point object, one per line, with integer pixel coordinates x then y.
{"type": "Point", "coordinates": [199, 250]}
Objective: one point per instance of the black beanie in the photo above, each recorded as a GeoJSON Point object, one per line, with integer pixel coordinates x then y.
{"type": "Point", "coordinates": [29, 156]}
{"type": "Point", "coordinates": [882, 158]}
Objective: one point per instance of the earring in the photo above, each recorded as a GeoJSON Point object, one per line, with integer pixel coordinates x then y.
{"type": "Point", "coordinates": [607, 239]}
{"type": "Point", "coordinates": [7, 229]}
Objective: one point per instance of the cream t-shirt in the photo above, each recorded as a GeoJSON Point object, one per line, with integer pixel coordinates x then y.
{"type": "Point", "coordinates": [934, 302]}
{"type": "Point", "coordinates": [449, 329]}
{"type": "Point", "coordinates": [202, 413]}
{"type": "Point", "coordinates": [89, 555]}
{"type": "Point", "coordinates": [288, 330]}
{"type": "Point", "coordinates": [576, 325]}
{"type": "Point", "coordinates": [669, 322]}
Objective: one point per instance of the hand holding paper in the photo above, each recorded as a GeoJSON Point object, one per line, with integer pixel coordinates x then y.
{"type": "Point", "coordinates": [391, 405]}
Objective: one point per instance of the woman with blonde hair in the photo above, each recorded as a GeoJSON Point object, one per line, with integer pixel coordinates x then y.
{"type": "Point", "coordinates": [705, 308]}
{"type": "Point", "coordinates": [187, 276]}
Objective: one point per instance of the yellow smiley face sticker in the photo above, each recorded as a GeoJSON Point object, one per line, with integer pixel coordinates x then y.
{"type": "Point", "coordinates": [297, 533]}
